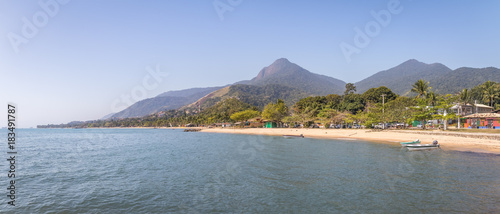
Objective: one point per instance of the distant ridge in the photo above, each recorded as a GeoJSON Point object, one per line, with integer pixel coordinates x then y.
{"type": "Point", "coordinates": [456, 80]}
{"type": "Point", "coordinates": [401, 78]}
{"type": "Point", "coordinates": [441, 78]}
{"type": "Point", "coordinates": [286, 80]}
{"type": "Point", "coordinates": [165, 101]}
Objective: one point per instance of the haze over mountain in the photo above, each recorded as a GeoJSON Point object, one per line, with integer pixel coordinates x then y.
{"type": "Point", "coordinates": [290, 82]}
{"type": "Point", "coordinates": [164, 101]}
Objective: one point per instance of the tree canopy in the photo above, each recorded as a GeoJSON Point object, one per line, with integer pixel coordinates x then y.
{"type": "Point", "coordinates": [421, 88]}
{"type": "Point", "coordinates": [245, 115]}
{"type": "Point", "coordinates": [374, 95]}
{"type": "Point", "coordinates": [275, 111]}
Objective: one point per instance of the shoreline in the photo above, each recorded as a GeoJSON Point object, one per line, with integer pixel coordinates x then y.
{"type": "Point", "coordinates": [464, 142]}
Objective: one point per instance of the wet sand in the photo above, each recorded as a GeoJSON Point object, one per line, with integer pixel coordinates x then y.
{"type": "Point", "coordinates": [472, 142]}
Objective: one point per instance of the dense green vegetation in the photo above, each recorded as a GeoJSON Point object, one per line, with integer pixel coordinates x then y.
{"type": "Point", "coordinates": [376, 105]}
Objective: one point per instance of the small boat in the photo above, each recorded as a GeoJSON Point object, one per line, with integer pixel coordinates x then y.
{"type": "Point", "coordinates": [293, 136]}
{"type": "Point", "coordinates": [422, 146]}
{"type": "Point", "coordinates": [404, 144]}
{"type": "Point", "coordinates": [434, 145]}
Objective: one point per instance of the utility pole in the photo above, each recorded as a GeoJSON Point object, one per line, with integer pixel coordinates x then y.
{"type": "Point", "coordinates": [475, 104]}
{"type": "Point", "coordinates": [445, 121]}
{"type": "Point", "coordinates": [383, 109]}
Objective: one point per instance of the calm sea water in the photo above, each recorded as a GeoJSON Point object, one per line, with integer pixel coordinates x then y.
{"type": "Point", "coordinates": [162, 171]}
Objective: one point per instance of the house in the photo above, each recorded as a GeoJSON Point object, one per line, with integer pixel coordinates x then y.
{"type": "Point", "coordinates": [483, 108]}
{"type": "Point", "coordinates": [463, 109]}
{"type": "Point", "coordinates": [466, 109]}
{"type": "Point", "coordinates": [483, 121]}
{"type": "Point", "coordinates": [223, 125]}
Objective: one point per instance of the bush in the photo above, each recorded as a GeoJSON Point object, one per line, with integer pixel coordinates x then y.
{"type": "Point", "coordinates": [369, 125]}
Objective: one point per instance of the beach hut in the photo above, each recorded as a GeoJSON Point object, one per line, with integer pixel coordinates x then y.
{"type": "Point", "coordinates": [483, 121]}
{"type": "Point", "coordinates": [270, 124]}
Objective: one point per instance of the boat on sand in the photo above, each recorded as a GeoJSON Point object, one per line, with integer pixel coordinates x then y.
{"type": "Point", "coordinates": [404, 144]}
{"type": "Point", "coordinates": [419, 146]}
{"type": "Point", "coordinates": [422, 146]}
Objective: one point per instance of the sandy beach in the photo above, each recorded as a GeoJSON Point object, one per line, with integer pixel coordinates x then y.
{"type": "Point", "coordinates": [473, 142]}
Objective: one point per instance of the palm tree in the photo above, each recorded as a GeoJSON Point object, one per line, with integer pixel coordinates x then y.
{"type": "Point", "coordinates": [464, 95]}
{"type": "Point", "coordinates": [420, 87]}
{"type": "Point", "coordinates": [432, 97]}
{"type": "Point", "coordinates": [490, 92]}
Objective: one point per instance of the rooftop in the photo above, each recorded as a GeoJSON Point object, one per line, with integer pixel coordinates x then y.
{"type": "Point", "coordinates": [483, 115]}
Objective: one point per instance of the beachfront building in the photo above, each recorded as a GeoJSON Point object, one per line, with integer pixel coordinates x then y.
{"type": "Point", "coordinates": [466, 109]}
{"type": "Point", "coordinates": [270, 124]}
{"type": "Point", "coordinates": [482, 121]}
{"type": "Point", "coordinates": [223, 125]}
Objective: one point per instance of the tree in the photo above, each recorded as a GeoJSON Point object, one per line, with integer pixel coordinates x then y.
{"type": "Point", "coordinates": [490, 92]}
{"type": "Point", "coordinates": [420, 87]}
{"type": "Point", "coordinates": [444, 106]}
{"type": "Point", "coordinates": [275, 112]}
{"type": "Point", "coordinates": [342, 117]}
{"type": "Point", "coordinates": [374, 95]}
{"type": "Point", "coordinates": [306, 115]}
{"type": "Point", "coordinates": [464, 96]}
{"type": "Point", "coordinates": [349, 89]}
{"type": "Point", "coordinates": [352, 103]}
{"type": "Point", "coordinates": [293, 119]}
{"type": "Point", "coordinates": [399, 109]}
{"type": "Point", "coordinates": [310, 103]}
{"type": "Point", "coordinates": [432, 98]}
{"type": "Point", "coordinates": [328, 114]}
{"type": "Point", "coordinates": [244, 115]}
{"type": "Point", "coordinates": [422, 112]}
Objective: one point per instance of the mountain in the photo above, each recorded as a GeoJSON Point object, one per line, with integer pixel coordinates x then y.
{"type": "Point", "coordinates": [456, 80]}
{"type": "Point", "coordinates": [401, 78]}
{"type": "Point", "coordinates": [280, 80]}
{"type": "Point", "coordinates": [283, 72]}
{"type": "Point", "coordinates": [254, 95]}
{"type": "Point", "coordinates": [165, 101]}
{"type": "Point", "coordinates": [442, 79]}
{"type": "Point", "coordinates": [190, 92]}
{"type": "Point", "coordinates": [290, 82]}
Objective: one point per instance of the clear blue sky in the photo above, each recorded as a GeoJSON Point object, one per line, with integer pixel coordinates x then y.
{"type": "Point", "coordinates": [88, 53]}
